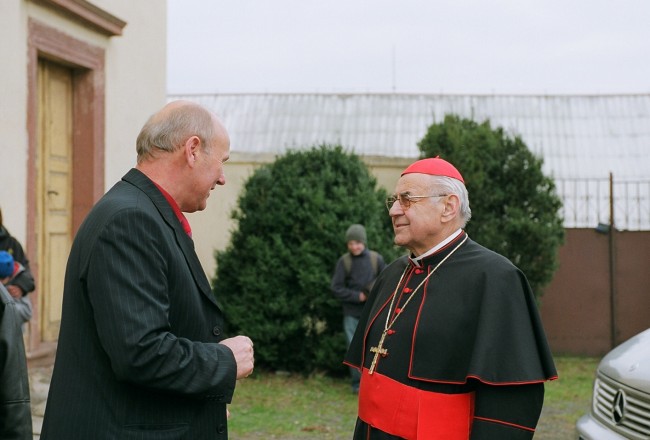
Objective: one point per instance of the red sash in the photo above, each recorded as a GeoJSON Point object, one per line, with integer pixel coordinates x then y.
{"type": "Point", "coordinates": [410, 413]}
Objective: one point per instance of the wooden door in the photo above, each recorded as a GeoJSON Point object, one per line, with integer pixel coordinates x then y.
{"type": "Point", "coordinates": [54, 190]}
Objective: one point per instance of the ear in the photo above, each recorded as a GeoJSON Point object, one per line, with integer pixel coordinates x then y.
{"type": "Point", "coordinates": [451, 209]}
{"type": "Point", "coordinates": [191, 148]}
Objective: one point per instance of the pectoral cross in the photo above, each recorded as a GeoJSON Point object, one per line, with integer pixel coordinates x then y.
{"type": "Point", "coordinates": [378, 350]}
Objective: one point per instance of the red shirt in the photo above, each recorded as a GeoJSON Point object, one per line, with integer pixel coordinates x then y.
{"type": "Point", "coordinates": [177, 210]}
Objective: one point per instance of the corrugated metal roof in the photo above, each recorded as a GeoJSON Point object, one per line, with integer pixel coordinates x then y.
{"type": "Point", "coordinates": [579, 137]}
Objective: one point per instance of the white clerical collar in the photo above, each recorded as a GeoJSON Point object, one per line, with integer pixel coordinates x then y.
{"type": "Point", "coordinates": [417, 260]}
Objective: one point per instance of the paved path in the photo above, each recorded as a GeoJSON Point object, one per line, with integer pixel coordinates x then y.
{"type": "Point", "coordinates": [39, 384]}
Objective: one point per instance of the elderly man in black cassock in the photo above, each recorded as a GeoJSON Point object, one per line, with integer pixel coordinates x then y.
{"type": "Point", "coordinates": [450, 345]}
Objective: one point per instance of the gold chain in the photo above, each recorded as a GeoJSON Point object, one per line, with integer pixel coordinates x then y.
{"type": "Point", "coordinates": [389, 322]}
{"type": "Point", "coordinates": [379, 350]}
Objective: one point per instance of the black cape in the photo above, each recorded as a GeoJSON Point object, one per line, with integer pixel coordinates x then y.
{"type": "Point", "coordinates": [473, 324]}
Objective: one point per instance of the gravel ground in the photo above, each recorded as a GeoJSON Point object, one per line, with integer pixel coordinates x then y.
{"type": "Point", "coordinates": [39, 384]}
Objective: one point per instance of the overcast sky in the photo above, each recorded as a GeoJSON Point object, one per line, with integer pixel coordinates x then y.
{"type": "Point", "coordinates": [420, 46]}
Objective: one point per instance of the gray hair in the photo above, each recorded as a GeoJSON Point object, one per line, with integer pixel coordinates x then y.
{"type": "Point", "coordinates": [168, 129]}
{"type": "Point", "coordinates": [448, 185]}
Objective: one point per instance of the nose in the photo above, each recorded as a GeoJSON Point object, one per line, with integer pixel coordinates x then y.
{"type": "Point", "coordinates": [395, 209]}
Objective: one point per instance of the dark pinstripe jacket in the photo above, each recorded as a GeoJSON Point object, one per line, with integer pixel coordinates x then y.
{"type": "Point", "coordinates": [137, 356]}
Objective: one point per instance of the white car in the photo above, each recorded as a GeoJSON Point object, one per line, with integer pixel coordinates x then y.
{"type": "Point", "coordinates": [620, 407]}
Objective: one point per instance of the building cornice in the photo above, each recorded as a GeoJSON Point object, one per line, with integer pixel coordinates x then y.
{"type": "Point", "coordinates": [87, 14]}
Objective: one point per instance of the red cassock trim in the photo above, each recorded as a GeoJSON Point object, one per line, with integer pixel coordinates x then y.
{"type": "Point", "coordinates": [501, 422]}
{"type": "Point", "coordinates": [410, 413]}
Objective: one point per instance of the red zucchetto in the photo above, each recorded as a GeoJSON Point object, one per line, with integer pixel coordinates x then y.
{"type": "Point", "coordinates": [435, 167]}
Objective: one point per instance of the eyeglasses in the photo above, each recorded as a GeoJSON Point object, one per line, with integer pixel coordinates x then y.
{"type": "Point", "coordinates": [405, 200]}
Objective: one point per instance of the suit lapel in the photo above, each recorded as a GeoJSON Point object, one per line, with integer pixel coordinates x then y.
{"type": "Point", "coordinates": [185, 243]}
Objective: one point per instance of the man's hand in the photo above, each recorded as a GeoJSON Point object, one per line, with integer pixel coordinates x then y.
{"type": "Point", "coordinates": [14, 291]}
{"type": "Point", "coordinates": [242, 348]}
{"type": "Point", "coordinates": [362, 297]}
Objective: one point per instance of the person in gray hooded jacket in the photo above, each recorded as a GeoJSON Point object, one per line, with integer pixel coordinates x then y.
{"type": "Point", "coordinates": [353, 278]}
{"type": "Point", "coordinates": [15, 414]}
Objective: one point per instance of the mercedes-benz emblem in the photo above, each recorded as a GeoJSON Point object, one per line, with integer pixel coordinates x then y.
{"type": "Point", "coordinates": [618, 410]}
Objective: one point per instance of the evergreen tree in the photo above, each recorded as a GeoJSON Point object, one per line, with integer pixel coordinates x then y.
{"type": "Point", "coordinates": [274, 277]}
{"type": "Point", "coordinates": [515, 210]}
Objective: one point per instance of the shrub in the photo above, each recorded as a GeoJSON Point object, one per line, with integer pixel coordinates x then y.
{"type": "Point", "coordinates": [514, 205]}
{"type": "Point", "coordinates": [274, 277]}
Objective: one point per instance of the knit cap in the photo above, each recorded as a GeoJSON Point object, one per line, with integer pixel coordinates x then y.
{"type": "Point", "coordinates": [356, 233]}
{"type": "Point", "coordinates": [6, 264]}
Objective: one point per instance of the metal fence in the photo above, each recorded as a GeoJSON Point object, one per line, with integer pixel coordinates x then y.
{"type": "Point", "coordinates": [590, 202]}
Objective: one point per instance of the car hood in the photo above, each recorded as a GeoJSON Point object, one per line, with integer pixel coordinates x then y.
{"type": "Point", "coordinates": [629, 363]}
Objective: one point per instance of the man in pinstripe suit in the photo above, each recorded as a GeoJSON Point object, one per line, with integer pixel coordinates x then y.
{"type": "Point", "coordinates": [141, 353]}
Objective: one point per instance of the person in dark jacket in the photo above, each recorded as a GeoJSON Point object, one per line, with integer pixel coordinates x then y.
{"type": "Point", "coordinates": [142, 352]}
{"type": "Point", "coordinates": [10, 271]}
{"type": "Point", "coordinates": [354, 275]}
{"type": "Point", "coordinates": [15, 414]}
{"type": "Point", "coordinates": [24, 282]}
{"type": "Point", "coordinates": [21, 282]}
{"type": "Point", "coordinates": [450, 345]}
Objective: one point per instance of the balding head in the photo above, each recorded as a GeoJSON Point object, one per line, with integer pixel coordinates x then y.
{"type": "Point", "coordinates": [168, 129]}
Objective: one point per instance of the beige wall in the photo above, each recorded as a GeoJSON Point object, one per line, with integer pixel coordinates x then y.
{"type": "Point", "coordinates": [13, 113]}
{"type": "Point", "coordinates": [213, 226]}
{"type": "Point", "coordinates": [135, 87]}
{"type": "Point", "coordinates": [387, 170]}
{"type": "Point", "coordinates": [136, 78]}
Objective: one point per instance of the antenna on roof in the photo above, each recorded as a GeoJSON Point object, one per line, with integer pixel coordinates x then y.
{"type": "Point", "coordinates": [394, 69]}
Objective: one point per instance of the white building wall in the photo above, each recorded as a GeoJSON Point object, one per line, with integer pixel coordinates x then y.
{"type": "Point", "coordinates": [135, 87]}
{"type": "Point", "coordinates": [136, 79]}
{"type": "Point", "coordinates": [13, 115]}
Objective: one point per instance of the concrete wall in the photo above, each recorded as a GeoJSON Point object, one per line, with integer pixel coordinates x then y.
{"type": "Point", "coordinates": [136, 78]}
{"type": "Point", "coordinates": [13, 115]}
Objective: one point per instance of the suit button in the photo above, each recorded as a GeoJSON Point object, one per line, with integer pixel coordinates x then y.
{"type": "Point", "coordinates": [216, 331]}
{"type": "Point", "coordinates": [221, 429]}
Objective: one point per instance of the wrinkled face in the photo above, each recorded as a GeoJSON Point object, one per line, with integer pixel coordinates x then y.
{"type": "Point", "coordinates": [417, 228]}
{"type": "Point", "coordinates": [208, 170]}
{"type": "Point", "coordinates": [356, 247]}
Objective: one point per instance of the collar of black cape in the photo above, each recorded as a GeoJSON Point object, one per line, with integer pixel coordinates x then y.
{"type": "Point", "coordinates": [438, 255]}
